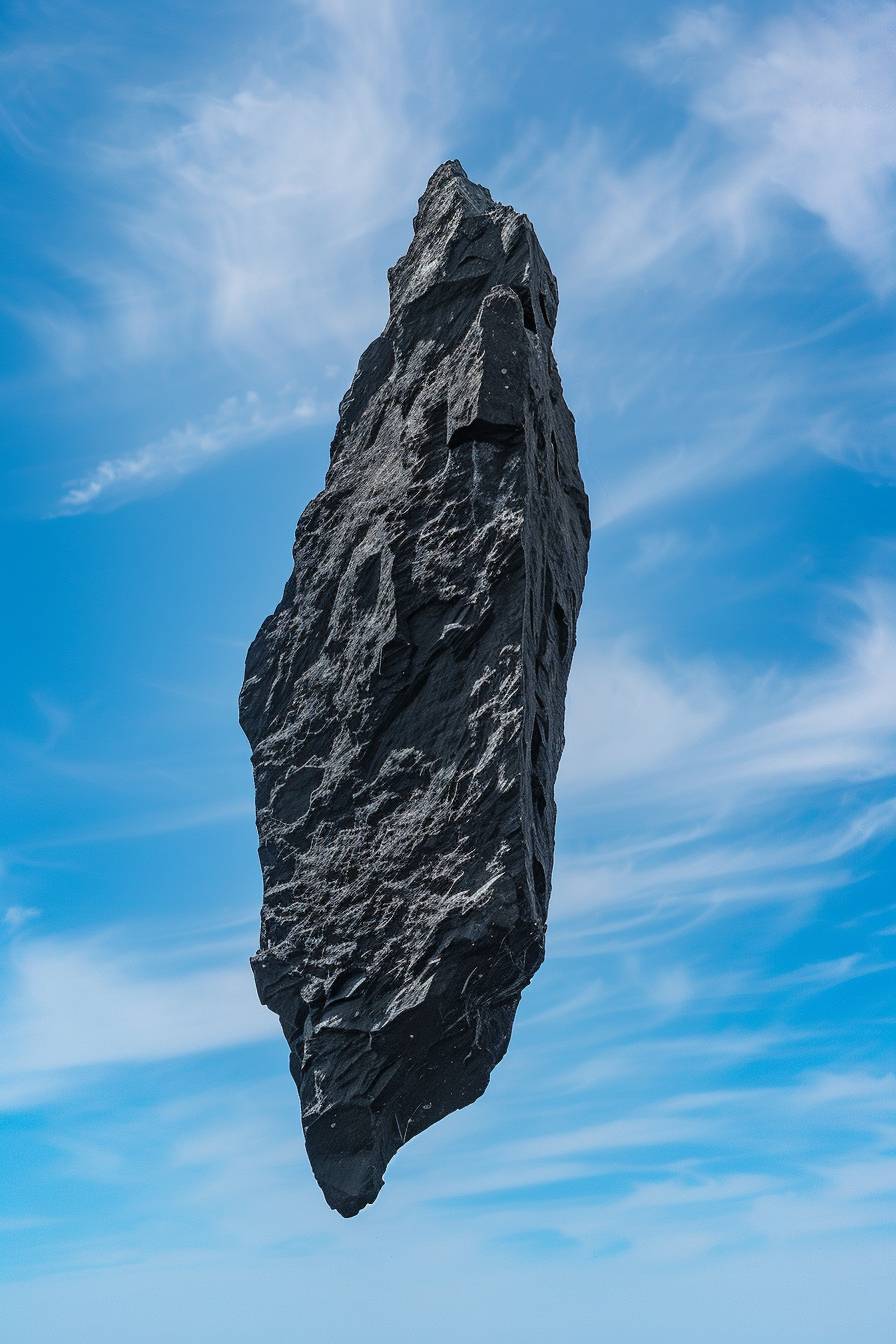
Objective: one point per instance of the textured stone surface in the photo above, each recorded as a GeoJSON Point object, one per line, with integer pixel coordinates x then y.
{"type": "Point", "coordinates": [405, 701]}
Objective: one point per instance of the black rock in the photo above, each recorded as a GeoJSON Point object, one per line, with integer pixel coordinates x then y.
{"type": "Point", "coordinates": [405, 701]}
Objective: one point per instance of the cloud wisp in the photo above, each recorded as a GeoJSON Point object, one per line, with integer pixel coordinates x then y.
{"type": "Point", "coordinates": [694, 730]}
{"type": "Point", "coordinates": [114, 1007]}
{"type": "Point", "coordinates": [234, 212]}
{"type": "Point", "coordinates": [768, 788]}
{"type": "Point", "coordinates": [791, 112]}
{"type": "Point", "coordinates": [238, 423]}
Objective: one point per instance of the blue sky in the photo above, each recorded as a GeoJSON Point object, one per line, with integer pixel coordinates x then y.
{"type": "Point", "coordinates": [693, 1136]}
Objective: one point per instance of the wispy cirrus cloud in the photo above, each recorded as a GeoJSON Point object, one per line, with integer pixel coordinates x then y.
{"type": "Point", "coordinates": [728, 451]}
{"type": "Point", "coordinates": [762, 788]}
{"type": "Point", "coordinates": [631, 717]}
{"type": "Point", "coordinates": [781, 172]}
{"type": "Point", "coordinates": [693, 727]}
{"type": "Point", "coordinates": [17, 916]}
{"type": "Point", "coordinates": [238, 423]}
{"type": "Point", "coordinates": [867, 448]}
{"type": "Point", "coordinates": [645, 1170]}
{"type": "Point", "coordinates": [246, 216]}
{"type": "Point", "coordinates": [27, 68]}
{"type": "Point", "coordinates": [120, 1007]}
{"type": "Point", "coordinates": [794, 111]}
{"type": "Point", "coordinates": [234, 208]}
{"type": "Point", "coordinates": [806, 103]}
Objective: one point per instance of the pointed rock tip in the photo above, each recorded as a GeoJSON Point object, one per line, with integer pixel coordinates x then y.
{"type": "Point", "coordinates": [450, 168]}
{"type": "Point", "coordinates": [448, 175]}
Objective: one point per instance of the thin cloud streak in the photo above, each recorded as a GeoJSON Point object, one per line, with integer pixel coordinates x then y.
{"type": "Point", "coordinates": [695, 732]}
{"type": "Point", "coordinates": [729, 452]}
{"type": "Point", "coordinates": [234, 213]}
{"type": "Point", "coordinates": [118, 1009]}
{"type": "Point", "coordinates": [789, 112]}
{"type": "Point", "coordinates": [238, 423]}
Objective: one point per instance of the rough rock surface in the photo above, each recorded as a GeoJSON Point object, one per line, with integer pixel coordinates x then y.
{"type": "Point", "coordinates": [405, 701]}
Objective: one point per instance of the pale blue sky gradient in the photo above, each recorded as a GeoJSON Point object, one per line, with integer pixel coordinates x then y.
{"type": "Point", "coordinates": [693, 1136]}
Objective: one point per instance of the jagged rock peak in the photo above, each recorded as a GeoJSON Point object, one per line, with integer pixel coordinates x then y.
{"type": "Point", "coordinates": [404, 702]}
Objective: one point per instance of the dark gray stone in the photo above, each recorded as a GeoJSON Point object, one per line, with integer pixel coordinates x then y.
{"type": "Point", "coordinates": [405, 701]}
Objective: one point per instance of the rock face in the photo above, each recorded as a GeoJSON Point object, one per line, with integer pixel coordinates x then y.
{"type": "Point", "coordinates": [405, 701]}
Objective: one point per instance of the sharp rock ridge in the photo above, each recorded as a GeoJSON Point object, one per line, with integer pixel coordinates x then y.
{"type": "Point", "coordinates": [405, 701]}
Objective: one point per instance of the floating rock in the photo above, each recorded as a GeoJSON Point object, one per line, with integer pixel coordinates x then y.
{"type": "Point", "coordinates": [405, 701]}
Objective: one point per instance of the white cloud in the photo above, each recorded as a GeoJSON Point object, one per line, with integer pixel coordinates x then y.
{"type": "Point", "coordinates": [824, 974]}
{"type": "Point", "coordinates": [630, 1132]}
{"type": "Point", "coordinates": [696, 731]}
{"type": "Point", "coordinates": [658, 550]}
{"type": "Point", "coordinates": [244, 208]}
{"type": "Point", "coordinates": [27, 70]}
{"type": "Point", "coordinates": [138, 825]}
{"type": "Point", "coordinates": [657, 1057]}
{"type": "Point", "coordinates": [870, 449]}
{"type": "Point", "coordinates": [627, 717]}
{"type": "Point", "coordinates": [760, 787]}
{"type": "Point", "coordinates": [604, 224]}
{"type": "Point", "coordinates": [238, 423]}
{"type": "Point", "coordinates": [729, 451]}
{"type": "Point", "coordinates": [837, 723]}
{"type": "Point", "coordinates": [22, 1224]}
{"type": "Point", "coordinates": [797, 111]}
{"type": "Point", "coordinates": [16, 916]}
{"type": "Point", "coordinates": [810, 102]}
{"type": "Point", "coordinates": [749, 1128]}
{"type": "Point", "coordinates": [83, 1003]}
{"type": "Point", "coordinates": [859, 1090]}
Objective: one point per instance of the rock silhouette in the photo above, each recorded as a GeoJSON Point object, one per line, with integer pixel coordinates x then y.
{"type": "Point", "coordinates": [405, 701]}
